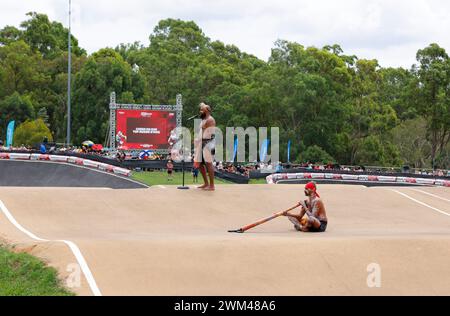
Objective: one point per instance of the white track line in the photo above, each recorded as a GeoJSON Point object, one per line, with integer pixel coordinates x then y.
{"type": "Point", "coordinates": [421, 203]}
{"type": "Point", "coordinates": [433, 195]}
{"type": "Point", "coordinates": [73, 247]}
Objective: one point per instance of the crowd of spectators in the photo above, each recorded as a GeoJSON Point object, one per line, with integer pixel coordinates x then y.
{"type": "Point", "coordinates": [326, 167]}
{"type": "Point", "coordinates": [233, 168]}
{"type": "Point", "coordinates": [21, 148]}
{"type": "Point", "coordinates": [336, 167]}
{"type": "Point", "coordinates": [246, 169]}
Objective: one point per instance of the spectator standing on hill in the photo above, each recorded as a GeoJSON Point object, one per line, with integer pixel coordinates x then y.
{"type": "Point", "coordinates": [195, 173]}
{"type": "Point", "coordinates": [170, 171]}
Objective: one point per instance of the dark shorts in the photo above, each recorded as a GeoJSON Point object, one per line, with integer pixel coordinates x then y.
{"type": "Point", "coordinates": [170, 171]}
{"type": "Point", "coordinates": [321, 229]}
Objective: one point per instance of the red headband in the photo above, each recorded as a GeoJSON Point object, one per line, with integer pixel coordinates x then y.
{"type": "Point", "coordinates": [312, 186]}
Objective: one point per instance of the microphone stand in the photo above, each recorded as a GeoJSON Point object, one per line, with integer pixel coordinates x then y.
{"type": "Point", "coordinates": [184, 187]}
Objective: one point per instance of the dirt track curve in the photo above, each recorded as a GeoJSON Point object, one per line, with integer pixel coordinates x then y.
{"type": "Point", "coordinates": [162, 241]}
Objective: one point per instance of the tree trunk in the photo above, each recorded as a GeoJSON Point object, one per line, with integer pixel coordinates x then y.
{"type": "Point", "coordinates": [434, 148]}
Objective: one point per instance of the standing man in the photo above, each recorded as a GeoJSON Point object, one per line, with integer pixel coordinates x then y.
{"type": "Point", "coordinates": [195, 172]}
{"type": "Point", "coordinates": [205, 148]}
{"type": "Point", "coordinates": [170, 171]}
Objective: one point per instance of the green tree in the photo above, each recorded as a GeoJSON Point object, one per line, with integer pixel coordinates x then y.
{"type": "Point", "coordinates": [54, 96]}
{"type": "Point", "coordinates": [315, 154]}
{"type": "Point", "coordinates": [20, 70]}
{"type": "Point", "coordinates": [9, 34]}
{"type": "Point", "coordinates": [307, 92]}
{"type": "Point", "coordinates": [33, 61]}
{"type": "Point", "coordinates": [411, 140]}
{"type": "Point", "coordinates": [17, 108]}
{"type": "Point", "coordinates": [432, 96]}
{"type": "Point", "coordinates": [395, 91]}
{"type": "Point", "coordinates": [443, 160]}
{"type": "Point", "coordinates": [370, 118]}
{"type": "Point", "coordinates": [125, 50]}
{"type": "Point", "coordinates": [31, 133]}
{"type": "Point", "coordinates": [49, 38]}
{"type": "Point", "coordinates": [42, 114]}
{"type": "Point", "coordinates": [181, 59]}
{"type": "Point", "coordinates": [373, 151]}
{"type": "Point", "coordinates": [104, 72]}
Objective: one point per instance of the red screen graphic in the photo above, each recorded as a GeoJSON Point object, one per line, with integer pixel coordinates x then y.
{"type": "Point", "coordinates": [142, 129]}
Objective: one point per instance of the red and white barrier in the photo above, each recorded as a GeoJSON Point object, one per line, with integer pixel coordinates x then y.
{"type": "Point", "coordinates": [90, 164]}
{"type": "Point", "coordinates": [39, 157]}
{"type": "Point", "coordinates": [275, 178]}
{"type": "Point", "coordinates": [71, 160]}
{"type": "Point", "coordinates": [442, 183]}
{"type": "Point", "coordinates": [59, 158]}
{"type": "Point", "coordinates": [350, 177]}
{"type": "Point", "coordinates": [387, 179]}
{"type": "Point", "coordinates": [426, 181]}
{"type": "Point", "coordinates": [363, 178]}
{"type": "Point", "coordinates": [122, 172]}
{"type": "Point", "coordinates": [13, 156]}
{"type": "Point", "coordinates": [106, 167]}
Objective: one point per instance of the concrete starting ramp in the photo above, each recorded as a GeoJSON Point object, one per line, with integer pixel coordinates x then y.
{"type": "Point", "coordinates": [14, 173]}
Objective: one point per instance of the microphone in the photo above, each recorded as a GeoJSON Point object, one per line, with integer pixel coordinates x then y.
{"type": "Point", "coordinates": [192, 118]}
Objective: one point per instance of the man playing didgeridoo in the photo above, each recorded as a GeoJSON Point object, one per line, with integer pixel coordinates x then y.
{"type": "Point", "coordinates": [313, 217]}
{"type": "Point", "coordinates": [205, 148]}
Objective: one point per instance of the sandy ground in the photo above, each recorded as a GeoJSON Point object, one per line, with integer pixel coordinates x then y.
{"type": "Point", "coordinates": [168, 242]}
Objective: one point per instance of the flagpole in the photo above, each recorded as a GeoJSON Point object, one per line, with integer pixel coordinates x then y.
{"type": "Point", "coordinates": [289, 152]}
{"type": "Point", "coordinates": [69, 76]}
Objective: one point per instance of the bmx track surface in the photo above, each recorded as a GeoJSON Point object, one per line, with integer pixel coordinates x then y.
{"type": "Point", "coordinates": [162, 241]}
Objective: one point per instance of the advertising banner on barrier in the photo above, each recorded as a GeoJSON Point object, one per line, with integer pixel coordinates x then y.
{"type": "Point", "coordinates": [14, 156]}
{"type": "Point", "coordinates": [425, 181]}
{"type": "Point", "coordinates": [144, 129]}
{"type": "Point", "coordinates": [59, 158]}
{"type": "Point", "coordinates": [275, 178]}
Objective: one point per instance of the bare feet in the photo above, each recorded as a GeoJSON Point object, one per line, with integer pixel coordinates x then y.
{"type": "Point", "coordinates": [203, 187]}
{"type": "Point", "coordinates": [209, 188]}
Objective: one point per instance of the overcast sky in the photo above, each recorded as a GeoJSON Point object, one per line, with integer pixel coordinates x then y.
{"type": "Point", "coordinates": [389, 30]}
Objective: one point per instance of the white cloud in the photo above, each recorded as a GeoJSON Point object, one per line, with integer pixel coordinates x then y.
{"type": "Point", "coordinates": [391, 31]}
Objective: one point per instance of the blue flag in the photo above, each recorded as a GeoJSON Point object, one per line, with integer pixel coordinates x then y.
{"type": "Point", "coordinates": [264, 151]}
{"type": "Point", "coordinates": [10, 134]}
{"type": "Point", "coordinates": [289, 152]}
{"type": "Point", "coordinates": [236, 146]}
